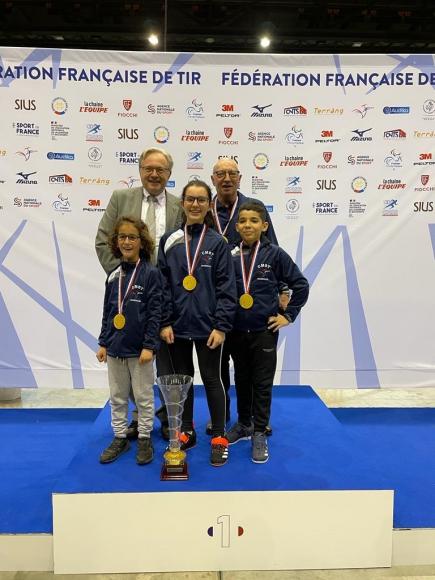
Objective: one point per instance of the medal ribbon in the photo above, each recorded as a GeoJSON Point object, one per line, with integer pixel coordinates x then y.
{"type": "Point", "coordinates": [216, 216]}
{"type": "Point", "coordinates": [192, 265]}
{"type": "Point", "coordinates": [130, 284]}
{"type": "Point", "coordinates": [247, 280]}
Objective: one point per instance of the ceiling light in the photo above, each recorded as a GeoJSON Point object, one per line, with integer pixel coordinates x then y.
{"type": "Point", "coordinates": [153, 39]}
{"type": "Point", "coordinates": [264, 42]}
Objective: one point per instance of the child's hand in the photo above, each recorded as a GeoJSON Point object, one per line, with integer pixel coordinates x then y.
{"type": "Point", "coordinates": [167, 334]}
{"type": "Point", "coordinates": [277, 322]}
{"type": "Point", "coordinates": [215, 339]}
{"type": "Point", "coordinates": [146, 355]}
{"type": "Point", "coordinates": [101, 354]}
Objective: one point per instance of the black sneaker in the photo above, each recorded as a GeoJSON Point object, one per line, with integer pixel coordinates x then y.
{"type": "Point", "coordinates": [188, 439]}
{"type": "Point", "coordinates": [239, 432]}
{"type": "Point", "coordinates": [162, 416]}
{"type": "Point", "coordinates": [116, 448]}
{"type": "Point", "coordinates": [260, 452]}
{"type": "Point", "coordinates": [219, 451]}
{"type": "Point", "coordinates": [132, 432]}
{"type": "Point", "coordinates": [145, 451]}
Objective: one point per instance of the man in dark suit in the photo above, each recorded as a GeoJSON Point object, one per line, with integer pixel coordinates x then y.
{"type": "Point", "coordinates": [160, 210]}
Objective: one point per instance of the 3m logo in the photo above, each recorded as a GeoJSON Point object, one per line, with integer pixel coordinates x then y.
{"type": "Point", "coordinates": [227, 108]}
{"type": "Point", "coordinates": [326, 134]}
{"type": "Point", "coordinates": [424, 156]}
{"type": "Point", "coordinates": [94, 202]}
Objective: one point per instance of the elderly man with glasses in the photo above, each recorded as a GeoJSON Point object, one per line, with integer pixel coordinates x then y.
{"type": "Point", "coordinates": [160, 210]}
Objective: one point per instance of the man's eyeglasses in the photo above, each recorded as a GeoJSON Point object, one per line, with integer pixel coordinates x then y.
{"type": "Point", "coordinates": [149, 170]}
{"type": "Point", "coordinates": [131, 237]}
{"type": "Point", "coordinates": [201, 200]}
{"type": "Point", "coordinates": [231, 174]}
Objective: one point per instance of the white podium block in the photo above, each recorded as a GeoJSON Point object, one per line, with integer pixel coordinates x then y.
{"type": "Point", "coordinates": [270, 530]}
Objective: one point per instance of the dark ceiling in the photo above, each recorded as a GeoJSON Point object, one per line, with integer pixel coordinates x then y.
{"type": "Point", "coordinates": [222, 26]}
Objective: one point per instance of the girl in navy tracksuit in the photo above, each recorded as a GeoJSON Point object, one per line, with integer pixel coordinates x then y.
{"type": "Point", "coordinates": [261, 268]}
{"type": "Point", "coordinates": [199, 307]}
{"type": "Point", "coordinates": [130, 335]}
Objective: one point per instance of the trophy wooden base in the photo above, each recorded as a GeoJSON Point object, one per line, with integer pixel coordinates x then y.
{"type": "Point", "coordinates": [174, 472]}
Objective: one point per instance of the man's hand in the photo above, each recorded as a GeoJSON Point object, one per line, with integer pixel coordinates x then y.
{"type": "Point", "coordinates": [167, 334]}
{"type": "Point", "coordinates": [277, 322]}
{"type": "Point", "coordinates": [215, 339]}
{"type": "Point", "coordinates": [101, 354]}
{"type": "Point", "coordinates": [146, 355]}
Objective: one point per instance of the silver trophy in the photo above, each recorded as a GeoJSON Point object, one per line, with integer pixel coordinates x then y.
{"type": "Point", "coordinates": [174, 389]}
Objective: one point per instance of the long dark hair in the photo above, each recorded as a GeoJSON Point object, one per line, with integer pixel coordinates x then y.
{"type": "Point", "coordinates": [147, 243]}
{"type": "Point", "coordinates": [208, 220]}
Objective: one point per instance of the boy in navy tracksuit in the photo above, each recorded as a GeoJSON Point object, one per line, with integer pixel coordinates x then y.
{"type": "Point", "coordinates": [130, 335]}
{"type": "Point", "coordinates": [261, 269]}
{"type": "Point", "coordinates": [199, 307]}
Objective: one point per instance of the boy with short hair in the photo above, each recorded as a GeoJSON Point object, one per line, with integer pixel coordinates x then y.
{"type": "Point", "coordinates": [261, 267]}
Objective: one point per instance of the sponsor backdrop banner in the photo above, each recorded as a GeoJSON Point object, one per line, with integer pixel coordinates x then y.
{"type": "Point", "coordinates": [339, 147]}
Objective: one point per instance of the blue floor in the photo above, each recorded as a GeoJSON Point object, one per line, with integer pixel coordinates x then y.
{"type": "Point", "coordinates": [312, 448]}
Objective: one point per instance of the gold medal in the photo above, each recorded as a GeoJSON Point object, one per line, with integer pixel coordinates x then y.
{"type": "Point", "coordinates": [119, 321]}
{"type": "Point", "coordinates": [189, 282]}
{"type": "Point", "coordinates": [246, 301]}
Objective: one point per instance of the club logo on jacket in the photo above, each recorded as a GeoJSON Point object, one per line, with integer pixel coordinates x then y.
{"type": "Point", "coordinates": [206, 258]}
{"type": "Point", "coordinates": [263, 271]}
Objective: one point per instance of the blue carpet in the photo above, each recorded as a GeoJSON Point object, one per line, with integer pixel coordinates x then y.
{"type": "Point", "coordinates": [402, 443]}
{"type": "Point", "coordinates": [312, 448]}
{"type": "Point", "coordinates": [37, 445]}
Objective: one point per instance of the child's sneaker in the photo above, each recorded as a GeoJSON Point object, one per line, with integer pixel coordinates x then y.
{"type": "Point", "coordinates": [219, 451]}
{"type": "Point", "coordinates": [260, 452]}
{"type": "Point", "coordinates": [187, 439]}
{"type": "Point", "coordinates": [145, 451]}
{"type": "Point", "coordinates": [118, 446]}
{"type": "Point", "coordinates": [239, 432]}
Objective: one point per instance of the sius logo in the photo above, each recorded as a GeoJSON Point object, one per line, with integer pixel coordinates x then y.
{"type": "Point", "coordinates": [54, 155]}
{"type": "Point", "coordinates": [128, 134]}
{"type": "Point", "coordinates": [423, 206]}
{"type": "Point", "coordinates": [259, 111]}
{"type": "Point", "coordinates": [25, 105]}
{"type": "Point", "coordinates": [326, 184]}
{"type": "Point", "coordinates": [396, 110]}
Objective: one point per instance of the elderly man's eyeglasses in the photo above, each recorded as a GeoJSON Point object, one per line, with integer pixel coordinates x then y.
{"type": "Point", "coordinates": [149, 170]}
{"type": "Point", "coordinates": [233, 174]}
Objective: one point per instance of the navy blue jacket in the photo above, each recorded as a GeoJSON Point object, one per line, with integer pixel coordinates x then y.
{"type": "Point", "coordinates": [232, 234]}
{"type": "Point", "coordinates": [212, 304]}
{"type": "Point", "coordinates": [273, 267]}
{"type": "Point", "coordinates": [142, 310]}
